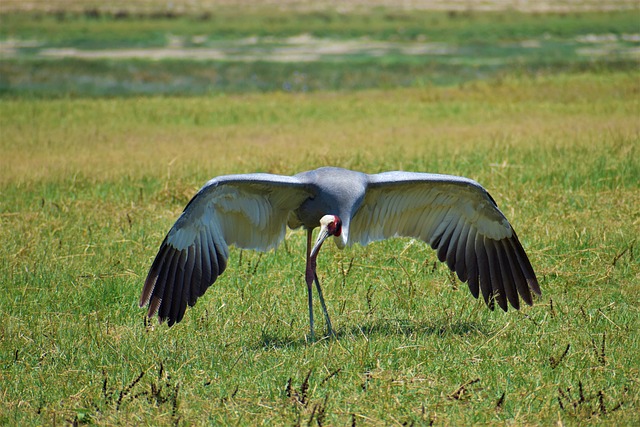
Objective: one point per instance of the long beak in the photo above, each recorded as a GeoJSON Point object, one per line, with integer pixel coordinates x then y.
{"type": "Point", "coordinates": [322, 236]}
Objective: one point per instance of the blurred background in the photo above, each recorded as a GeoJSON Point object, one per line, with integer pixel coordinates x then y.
{"type": "Point", "coordinates": [85, 48]}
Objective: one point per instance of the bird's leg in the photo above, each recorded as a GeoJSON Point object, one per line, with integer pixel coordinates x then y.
{"type": "Point", "coordinates": [309, 277]}
{"type": "Point", "coordinates": [324, 307]}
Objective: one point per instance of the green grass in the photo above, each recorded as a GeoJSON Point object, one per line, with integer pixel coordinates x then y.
{"type": "Point", "coordinates": [107, 30]}
{"type": "Point", "coordinates": [117, 78]}
{"type": "Point", "coordinates": [89, 187]}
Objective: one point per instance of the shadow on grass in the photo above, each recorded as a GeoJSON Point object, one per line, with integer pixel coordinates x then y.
{"type": "Point", "coordinates": [380, 327]}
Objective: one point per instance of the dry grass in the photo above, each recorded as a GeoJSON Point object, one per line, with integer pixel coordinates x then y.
{"type": "Point", "coordinates": [108, 138]}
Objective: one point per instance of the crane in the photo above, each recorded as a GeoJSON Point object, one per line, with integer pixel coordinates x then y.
{"type": "Point", "coordinates": [456, 216]}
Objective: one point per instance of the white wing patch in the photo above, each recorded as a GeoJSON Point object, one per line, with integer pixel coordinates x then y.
{"type": "Point", "coordinates": [426, 211]}
{"type": "Point", "coordinates": [232, 215]}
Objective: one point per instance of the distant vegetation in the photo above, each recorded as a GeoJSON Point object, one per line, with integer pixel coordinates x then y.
{"type": "Point", "coordinates": [254, 50]}
{"type": "Point", "coordinates": [95, 29]}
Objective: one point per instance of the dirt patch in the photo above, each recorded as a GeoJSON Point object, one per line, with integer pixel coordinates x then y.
{"type": "Point", "coordinates": [294, 49]}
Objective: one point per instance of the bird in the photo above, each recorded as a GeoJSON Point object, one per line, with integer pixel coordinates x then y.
{"type": "Point", "coordinates": [455, 215]}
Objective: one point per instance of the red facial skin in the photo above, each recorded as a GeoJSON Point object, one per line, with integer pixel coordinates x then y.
{"type": "Point", "coordinates": [335, 227]}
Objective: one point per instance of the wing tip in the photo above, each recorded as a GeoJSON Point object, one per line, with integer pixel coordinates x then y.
{"type": "Point", "coordinates": [147, 290]}
{"type": "Point", "coordinates": [534, 285]}
{"type": "Point", "coordinates": [154, 305]}
{"type": "Point", "coordinates": [482, 273]}
{"type": "Point", "coordinates": [177, 278]}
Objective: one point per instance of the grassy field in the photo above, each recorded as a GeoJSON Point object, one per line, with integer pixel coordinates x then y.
{"type": "Point", "coordinates": [99, 156]}
{"type": "Point", "coordinates": [96, 53]}
{"type": "Point", "coordinates": [90, 186]}
{"type": "Point", "coordinates": [94, 29]}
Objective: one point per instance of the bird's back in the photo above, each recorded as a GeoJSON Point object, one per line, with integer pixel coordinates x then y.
{"type": "Point", "coordinates": [338, 192]}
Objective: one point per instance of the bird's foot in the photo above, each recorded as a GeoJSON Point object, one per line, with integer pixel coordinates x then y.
{"type": "Point", "coordinates": [330, 335]}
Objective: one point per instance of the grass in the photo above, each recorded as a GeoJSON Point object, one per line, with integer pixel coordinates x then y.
{"type": "Point", "coordinates": [269, 49]}
{"type": "Point", "coordinates": [94, 29]}
{"type": "Point", "coordinates": [90, 186]}
{"type": "Point", "coordinates": [91, 180]}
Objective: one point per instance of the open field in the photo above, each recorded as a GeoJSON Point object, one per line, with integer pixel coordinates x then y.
{"type": "Point", "coordinates": [113, 114]}
{"type": "Point", "coordinates": [90, 186]}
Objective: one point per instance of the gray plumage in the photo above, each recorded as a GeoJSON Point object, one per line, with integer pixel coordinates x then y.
{"type": "Point", "coordinates": [455, 215]}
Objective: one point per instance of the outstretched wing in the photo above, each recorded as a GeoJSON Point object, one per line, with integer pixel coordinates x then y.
{"type": "Point", "coordinates": [460, 220]}
{"type": "Point", "coordinates": [249, 211]}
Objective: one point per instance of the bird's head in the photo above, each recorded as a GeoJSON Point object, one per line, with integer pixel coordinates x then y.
{"type": "Point", "coordinates": [330, 225]}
